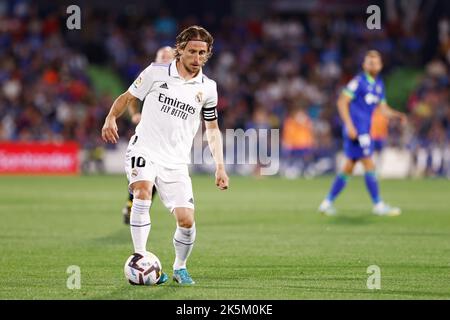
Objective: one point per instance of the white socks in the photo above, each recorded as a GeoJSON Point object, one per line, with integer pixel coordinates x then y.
{"type": "Point", "coordinates": [183, 239]}
{"type": "Point", "coordinates": [183, 242]}
{"type": "Point", "coordinates": [140, 224]}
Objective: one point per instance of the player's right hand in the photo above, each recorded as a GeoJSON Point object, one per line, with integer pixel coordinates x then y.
{"type": "Point", "coordinates": [109, 130]}
{"type": "Point", "coordinates": [222, 179]}
{"type": "Point", "coordinates": [352, 133]}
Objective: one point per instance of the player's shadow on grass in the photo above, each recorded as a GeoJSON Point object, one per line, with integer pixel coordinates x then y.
{"type": "Point", "coordinates": [361, 219]}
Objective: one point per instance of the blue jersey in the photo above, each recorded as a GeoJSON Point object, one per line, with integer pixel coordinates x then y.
{"type": "Point", "coordinates": [366, 94]}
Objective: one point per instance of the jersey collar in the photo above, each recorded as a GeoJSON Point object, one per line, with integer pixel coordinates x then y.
{"type": "Point", "coordinates": [369, 78]}
{"type": "Point", "coordinates": [173, 72]}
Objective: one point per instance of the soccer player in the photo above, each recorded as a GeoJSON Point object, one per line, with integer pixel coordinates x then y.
{"type": "Point", "coordinates": [362, 95]}
{"type": "Point", "coordinates": [163, 55]}
{"type": "Point", "coordinates": [177, 96]}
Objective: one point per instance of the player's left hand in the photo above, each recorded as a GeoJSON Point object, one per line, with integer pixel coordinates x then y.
{"type": "Point", "coordinates": [109, 130]}
{"type": "Point", "coordinates": [221, 179]}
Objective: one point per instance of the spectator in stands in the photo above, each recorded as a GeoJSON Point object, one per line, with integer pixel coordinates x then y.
{"type": "Point", "coordinates": [306, 58]}
{"type": "Point", "coordinates": [297, 142]}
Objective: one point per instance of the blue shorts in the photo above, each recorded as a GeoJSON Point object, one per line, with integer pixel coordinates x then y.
{"type": "Point", "coordinates": [354, 151]}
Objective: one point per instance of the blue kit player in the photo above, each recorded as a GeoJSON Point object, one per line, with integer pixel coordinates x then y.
{"type": "Point", "coordinates": [363, 94]}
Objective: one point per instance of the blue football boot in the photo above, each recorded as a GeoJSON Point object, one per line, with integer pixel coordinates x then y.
{"type": "Point", "coordinates": [181, 276]}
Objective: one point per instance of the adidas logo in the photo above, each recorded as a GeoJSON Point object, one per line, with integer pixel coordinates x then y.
{"type": "Point", "coordinates": [191, 200]}
{"type": "Point", "coordinates": [164, 86]}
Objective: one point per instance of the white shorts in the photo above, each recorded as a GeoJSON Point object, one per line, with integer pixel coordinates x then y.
{"type": "Point", "coordinates": [174, 186]}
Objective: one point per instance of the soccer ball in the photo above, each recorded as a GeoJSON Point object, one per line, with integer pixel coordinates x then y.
{"type": "Point", "coordinates": [143, 269]}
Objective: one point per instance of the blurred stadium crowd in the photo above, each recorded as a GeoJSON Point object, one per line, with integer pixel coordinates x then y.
{"type": "Point", "coordinates": [281, 72]}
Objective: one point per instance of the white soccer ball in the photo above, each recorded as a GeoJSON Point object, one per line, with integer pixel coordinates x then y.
{"type": "Point", "coordinates": [143, 269]}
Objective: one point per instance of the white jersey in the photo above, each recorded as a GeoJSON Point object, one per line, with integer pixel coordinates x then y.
{"type": "Point", "coordinates": [172, 112]}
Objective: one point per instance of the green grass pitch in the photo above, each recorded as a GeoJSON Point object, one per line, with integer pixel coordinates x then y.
{"type": "Point", "coordinates": [261, 239]}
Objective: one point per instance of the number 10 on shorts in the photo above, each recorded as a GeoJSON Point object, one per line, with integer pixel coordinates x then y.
{"type": "Point", "coordinates": [137, 162]}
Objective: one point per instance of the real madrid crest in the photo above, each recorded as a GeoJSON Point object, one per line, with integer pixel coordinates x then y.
{"type": "Point", "coordinates": [199, 97]}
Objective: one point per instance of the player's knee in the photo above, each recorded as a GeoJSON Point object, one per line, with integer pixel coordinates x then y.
{"type": "Point", "coordinates": [348, 167]}
{"type": "Point", "coordinates": [347, 171]}
{"type": "Point", "coordinates": [368, 164]}
{"type": "Point", "coordinates": [185, 217]}
{"type": "Point", "coordinates": [142, 193]}
{"type": "Point", "coordinates": [186, 222]}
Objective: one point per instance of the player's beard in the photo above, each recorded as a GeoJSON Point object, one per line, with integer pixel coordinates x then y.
{"type": "Point", "coordinates": [190, 69]}
{"type": "Point", "coordinates": [193, 71]}
{"type": "Point", "coordinates": [374, 73]}
{"type": "Point", "coordinates": [373, 70]}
